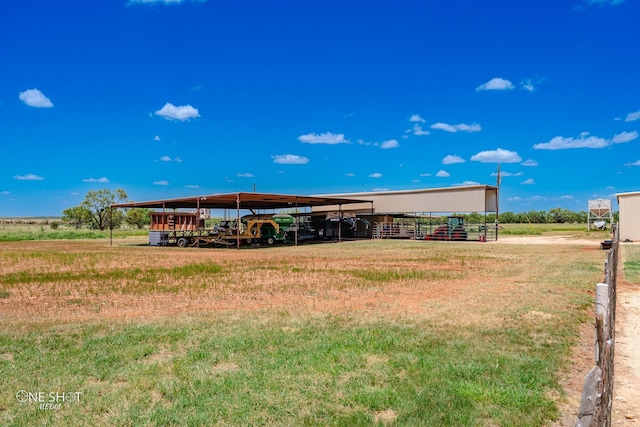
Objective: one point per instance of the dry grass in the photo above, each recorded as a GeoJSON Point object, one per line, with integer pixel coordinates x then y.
{"type": "Point", "coordinates": [389, 332]}
{"type": "Point", "coordinates": [453, 282]}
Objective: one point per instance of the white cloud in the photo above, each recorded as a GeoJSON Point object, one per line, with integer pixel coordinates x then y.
{"type": "Point", "coordinates": [527, 84]}
{"type": "Point", "coordinates": [375, 175]}
{"type": "Point", "coordinates": [566, 197]}
{"type": "Point", "coordinates": [529, 181]}
{"type": "Point", "coordinates": [35, 98]}
{"type": "Point", "coordinates": [467, 183]}
{"type": "Point", "coordinates": [323, 138]}
{"type": "Point", "coordinates": [245, 175]}
{"type": "Point", "coordinates": [452, 159]}
{"type": "Point", "coordinates": [28, 177]}
{"type": "Point", "coordinates": [497, 156]}
{"type": "Point", "coordinates": [417, 119]}
{"type": "Point", "coordinates": [531, 84]}
{"type": "Point", "coordinates": [192, 186]}
{"type": "Point", "coordinates": [350, 174]}
{"type": "Point", "coordinates": [624, 137]}
{"type": "Point", "coordinates": [462, 127]}
{"type": "Point", "coordinates": [585, 141]}
{"type": "Point", "coordinates": [290, 159]}
{"type": "Point", "coordinates": [425, 174]}
{"type": "Point", "coordinates": [103, 180]}
{"type": "Point", "coordinates": [636, 163]}
{"type": "Point", "coordinates": [443, 174]}
{"type": "Point", "coordinates": [156, 138]}
{"type": "Point", "coordinates": [182, 113]}
{"type": "Point", "coordinates": [169, 159]}
{"type": "Point", "coordinates": [496, 83]}
{"type": "Point", "coordinates": [418, 131]}
{"type": "Point", "coordinates": [506, 174]}
{"type": "Point", "coordinates": [529, 162]}
{"type": "Point", "coordinates": [163, 182]}
{"type": "Point", "coordinates": [632, 117]}
{"type": "Point", "coordinates": [391, 143]}
{"type": "Point", "coordinates": [514, 199]}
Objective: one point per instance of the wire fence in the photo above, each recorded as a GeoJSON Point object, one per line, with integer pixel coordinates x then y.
{"type": "Point", "coordinates": [597, 392]}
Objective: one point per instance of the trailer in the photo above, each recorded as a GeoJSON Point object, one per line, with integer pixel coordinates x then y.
{"type": "Point", "coordinates": [190, 233]}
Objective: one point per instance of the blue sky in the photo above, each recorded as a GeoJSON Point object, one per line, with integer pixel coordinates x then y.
{"type": "Point", "coordinates": [177, 98]}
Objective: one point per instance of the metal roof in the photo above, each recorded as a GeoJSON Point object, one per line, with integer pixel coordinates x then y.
{"type": "Point", "coordinates": [418, 190]}
{"type": "Point", "coordinates": [630, 193]}
{"type": "Point", "coordinates": [241, 201]}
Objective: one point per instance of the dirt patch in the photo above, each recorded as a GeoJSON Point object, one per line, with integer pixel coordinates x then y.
{"type": "Point", "coordinates": [547, 240]}
{"type": "Point", "coordinates": [385, 417]}
{"type": "Point", "coordinates": [626, 395]}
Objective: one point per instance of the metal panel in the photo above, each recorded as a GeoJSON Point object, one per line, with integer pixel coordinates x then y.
{"type": "Point", "coordinates": [450, 200]}
{"type": "Point", "coordinates": [629, 222]}
{"type": "Point", "coordinates": [238, 201]}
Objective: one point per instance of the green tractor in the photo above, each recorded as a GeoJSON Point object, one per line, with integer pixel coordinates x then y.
{"type": "Point", "coordinates": [452, 230]}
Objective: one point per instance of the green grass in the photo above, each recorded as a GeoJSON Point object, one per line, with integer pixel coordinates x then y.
{"type": "Point", "coordinates": [631, 260]}
{"type": "Point", "coordinates": [573, 230]}
{"type": "Point", "coordinates": [125, 280]}
{"type": "Point", "coordinates": [293, 366]}
{"type": "Point", "coordinates": [39, 230]}
{"type": "Point", "coordinates": [279, 369]}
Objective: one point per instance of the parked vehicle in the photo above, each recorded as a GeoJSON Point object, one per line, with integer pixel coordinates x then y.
{"type": "Point", "coordinates": [452, 230]}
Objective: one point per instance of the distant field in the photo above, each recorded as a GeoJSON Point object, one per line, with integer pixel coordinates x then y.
{"type": "Point", "coordinates": [572, 230]}
{"type": "Point", "coordinates": [389, 332]}
{"type": "Point", "coordinates": [19, 229]}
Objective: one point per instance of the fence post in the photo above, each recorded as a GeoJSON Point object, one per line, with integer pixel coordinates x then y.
{"type": "Point", "coordinates": [602, 306]}
{"type": "Point", "coordinates": [596, 404]}
{"type": "Point", "coordinates": [590, 398]}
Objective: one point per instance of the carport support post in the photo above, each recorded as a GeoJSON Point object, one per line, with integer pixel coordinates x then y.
{"type": "Point", "coordinates": [339, 223]}
{"type": "Point", "coordinates": [197, 224]}
{"type": "Point", "coordinates": [297, 217]}
{"type": "Point", "coordinates": [110, 226]}
{"type": "Point", "coordinates": [238, 221]}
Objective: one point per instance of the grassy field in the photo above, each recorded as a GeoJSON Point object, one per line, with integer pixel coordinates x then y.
{"type": "Point", "coordinates": [574, 230]}
{"type": "Point", "coordinates": [16, 230]}
{"type": "Point", "coordinates": [359, 333]}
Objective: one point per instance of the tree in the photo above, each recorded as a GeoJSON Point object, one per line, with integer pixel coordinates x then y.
{"type": "Point", "coordinates": [474, 218]}
{"type": "Point", "coordinates": [559, 215]}
{"type": "Point", "coordinates": [97, 205]}
{"type": "Point", "coordinates": [75, 217]}
{"type": "Point", "coordinates": [507, 218]}
{"type": "Point", "coordinates": [138, 217]}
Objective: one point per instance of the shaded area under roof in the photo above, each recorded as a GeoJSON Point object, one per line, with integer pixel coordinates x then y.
{"type": "Point", "coordinates": [240, 201]}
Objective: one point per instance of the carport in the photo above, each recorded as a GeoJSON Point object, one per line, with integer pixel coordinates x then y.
{"type": "Point", "coordinates": [252, 202]}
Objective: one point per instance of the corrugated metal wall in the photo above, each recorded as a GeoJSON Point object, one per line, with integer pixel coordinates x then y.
{"type": "Point", "coordinates": [449, 200]}
{"type": "Point", "coordinates": [629, 216]}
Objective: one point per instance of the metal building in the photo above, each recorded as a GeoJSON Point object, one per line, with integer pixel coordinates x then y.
{"type": "Point", "coordinates": [629, 221]}
{"type": "Point", "coordinates": [462, 199]}
{"type": "Point", "coordinates": [417, 213]}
